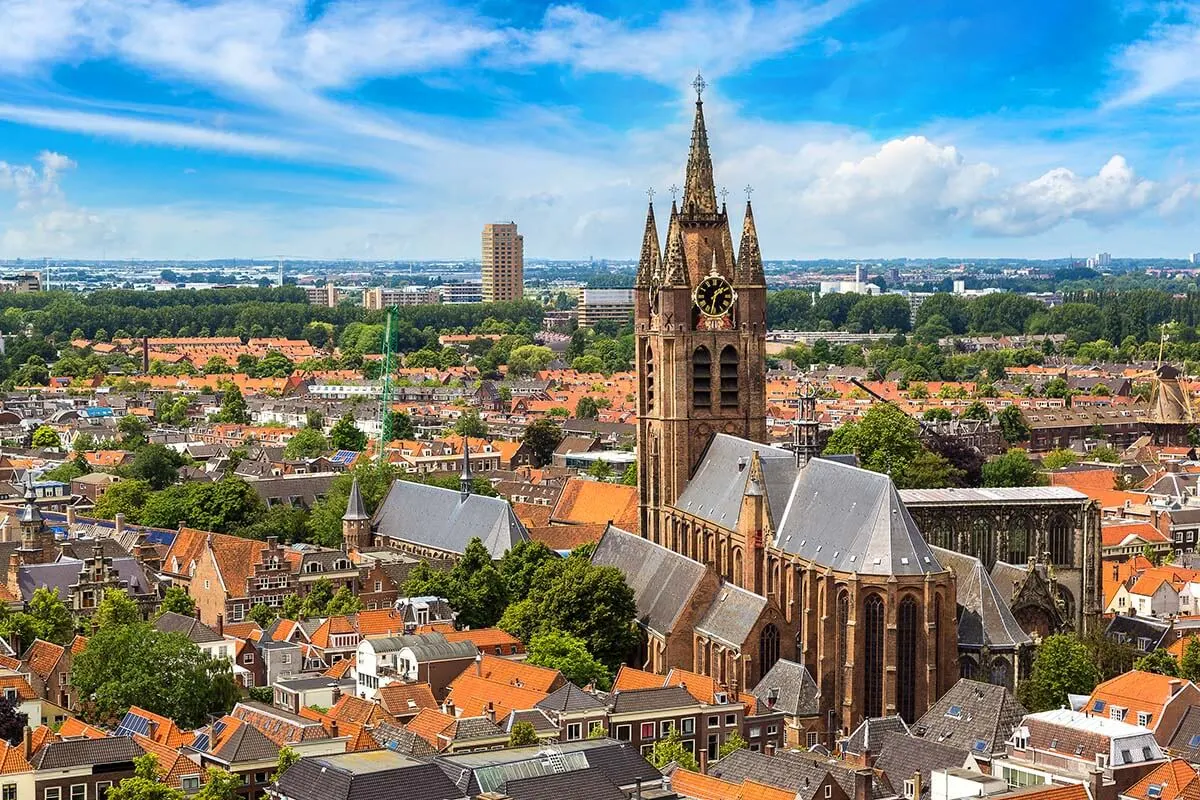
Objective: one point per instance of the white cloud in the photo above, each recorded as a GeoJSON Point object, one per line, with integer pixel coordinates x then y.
{"type": "Point", "coordinates": [1114, 194]}
{"type": "Point", "coordinates": [1166, 62]}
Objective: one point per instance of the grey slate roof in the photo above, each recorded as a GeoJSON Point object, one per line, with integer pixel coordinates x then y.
{"type": "Point", "coordinates": [401, 740]}
{"type": "Point", "coordinates": [1181, 743]}
{"type": "Point", "coordinates": [868, 736]}
{"type": "Point", "coordinates": [542, 724]}
{"type": "Point", "coordinates": [790, 688]}
{"type": "Point", "coordinates": [1128, 629]}
{"type": "Point", "coordinates": [589, 783]}
{"type": "Point", "coordinates": [984, 616]}
{"type": "Point", "coordinates": [715, 491]}
{"type": "Point", "coordinates": [900, 756]}
{"type": "Point", "coordinates": [663, 581]}
{"type": "Point", "coordinates": [984, 717]}
{"type": "Point", "coordinates": [62, 574]}
{"type": "Point", "coordinates": [569, 699]}
{"type": "Point", "coordinates": [355, 510]}
{"type": "Point", "coordinates": [247, 743]}
{"type": "Point", "coordinates": [425, 646]}
{"type": "Point", "coordinates": [366, 776]}
{"type": "Point", "coordinates": [794, 772]}
{"type": "Point", "coordinates": [657, 698]}
{"type": "Point", "coordinates": [86, 752]}
{"type": "Point", "coordinates": [194, 629]}
{"type": "Point", "coordinates": [732, 615]}
{"type": "Point", "coordinates": [444, 520]}
{"type": "Point", "coordinates": [852, 520]}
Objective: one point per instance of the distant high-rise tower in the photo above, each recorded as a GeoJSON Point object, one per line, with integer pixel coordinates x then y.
{"type": "Point", "coordinates": [503, 262]}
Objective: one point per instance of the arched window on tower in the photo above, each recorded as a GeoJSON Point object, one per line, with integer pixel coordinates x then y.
{"type": "Point", "coordinates": [906, 660]}
{"type": "Point", "coordinates": [701, 378]}
{"type": "Point", "coordinates": [873, 646]}
{"type": "Point", "coordinates": [648, 377]}
{"type": "Point", "coordinates": [768, 649]}
{"type": "Point", "coordinates": [1061, 541]}
{"type": "Point", "coordinates": [729, 377]}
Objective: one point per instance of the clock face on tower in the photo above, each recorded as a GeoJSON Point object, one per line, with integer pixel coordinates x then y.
{"type": "Point", "coordinates": [714, 296]}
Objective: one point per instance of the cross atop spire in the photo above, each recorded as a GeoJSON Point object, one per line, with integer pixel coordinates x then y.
{"type": "Point", "coordinates": [699, 85]}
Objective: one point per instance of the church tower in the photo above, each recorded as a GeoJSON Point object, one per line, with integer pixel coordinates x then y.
{"type": "Point", "coordinates": [356, 522]}
{"type": "Point", "coordinates": [700, 323]}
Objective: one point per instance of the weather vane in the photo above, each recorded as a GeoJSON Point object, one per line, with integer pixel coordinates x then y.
{"type": "Point", "coordinates": [674, 190]}
{"type": "Point", "coordinates": [650, 194]}
{"type": "Point", "coordinates": [699, 85]}
{"type": "Point", "coordinates": [724, 194]}
{"type": "Point", "coordinates": [749, 191]}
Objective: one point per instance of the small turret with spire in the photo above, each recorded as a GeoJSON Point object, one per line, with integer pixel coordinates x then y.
{"type": "Point", "coordinates": [675, 260]}
{"type": "Point", "coordinates": [465, 481]}
{"type": "Point", "coordinates": [37, 541]}
{"type": "Point", "coordinates": [749, 260]}
{"type": "Point", "coordinates": [356, 523]}
{"type": "Point", "coordinates": [650, 264]}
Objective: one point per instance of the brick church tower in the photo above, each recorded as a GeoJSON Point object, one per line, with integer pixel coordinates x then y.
{"type": "Point", "coordinates": [700, 323]}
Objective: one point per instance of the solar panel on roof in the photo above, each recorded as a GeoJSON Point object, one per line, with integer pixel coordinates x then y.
{"type": "Point", "coordinates": [132, 724]}
{"type": "Point", "coordinates": [1194, 741]}
{"type": "Point", "coordinates": [200, 742]}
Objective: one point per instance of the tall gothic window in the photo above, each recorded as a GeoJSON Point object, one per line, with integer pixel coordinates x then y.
{"type": "Point", "coordinates": [1061, 541]}
{"type": "Point", "coordinates": [985, 539]}
{"type": "Point", "coordinates": [839, 672]}
{"type": "Point", "coordinates": [873, 655]}
{"type": "Point", "coordinates": [768, 649]}
{"type": "Point", "coordinates": [648, 378]}
{"type": "Point", "coordinates": [937, 638]}
{"type": "Point", "coordinates": [1020, 534]}
{"type": "Point", "coordinates": [701, 378]}
{"type": "Point", "coordinates": [729, 377]}
{"type": "Point", "coordinates": [906, 660]}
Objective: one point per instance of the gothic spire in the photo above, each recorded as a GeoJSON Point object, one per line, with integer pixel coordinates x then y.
{"type": "Point", "coordinates": [676, 263]}
{"type": "Point", "coordinates": [355, 509]}
{"type": "Point", "coordinates": [699, 191]}
{"type": "Point", "coordinates": [749, 261]}
{"type": "Point", "coordinates": [650, 265]}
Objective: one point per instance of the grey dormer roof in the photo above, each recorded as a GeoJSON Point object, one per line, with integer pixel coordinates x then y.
{"type": "Point", "coordinates": [732, 615]}
{"type": "Point", "coordinates": [984, 618]}
{"type": "Point", "coordinates": [790, 688]}
{"type": "Point", "coordinates": [446, 520]}
{"type": "Point", "coordinates": [663, 581]}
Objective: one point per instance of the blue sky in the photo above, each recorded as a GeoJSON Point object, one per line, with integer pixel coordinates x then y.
{"type": "Point", "coordinates": [390, 129]}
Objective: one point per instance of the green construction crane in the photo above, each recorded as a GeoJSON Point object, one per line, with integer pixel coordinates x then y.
{"type": "Point", "coordinates": [385, 387]}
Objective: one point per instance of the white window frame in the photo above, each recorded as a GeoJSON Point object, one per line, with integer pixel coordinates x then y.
{"type": "Point", "coordinates": [574, 731]}
{"type": "Point", "coordinates": [52, 793]}
{"type": "Point", "coordinates": [624, 733]}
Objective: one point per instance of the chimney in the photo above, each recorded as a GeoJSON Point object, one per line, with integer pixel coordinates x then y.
{"type": "Point", "coordinates": [272, 542]}
{"type": "Point", "coordinates": [491, 712]}
{"type": "Point", "coordinates": [118, 524]}
{"type": "Point", "coordinates": [917, 787]}
{"type": "Point", "coordinates": [70, 517]}
{"type": "Point", "coordinates": [769, 749]}
{"type": "Point", "coordinates": [1176, 686]}
{"type": "Point", "coordinates": [220, 624]}
{"type": "Point", "coordinates": [337, 694]}
{"type": "Point", "coordinates": [479, 665]}
{"type": "Point", "coordinates": [637, 789]}
{"type": "Point", "coordinates": [333, 728]}
{"type": "Point", "coordinates": [862, 784]}
{"type": "Point", "coordinates": [1096, 784]}
{"type": "Point", "coordinates": [27, 742]}
{"type": "Point", "coordinates": [448, 707]}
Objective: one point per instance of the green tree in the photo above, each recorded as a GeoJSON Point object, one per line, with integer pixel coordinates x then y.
{"type": "Point", "coordinates": [46, 438]}
{"type": "Point", "coordinates": [929, 471]}
{"type": "Point", "coordinates": [342, 603]}
{"type": "Point", "coordinates": [542, 437]}
{"type": "Point", "coordinates": [220, 784]}
{"type": "Point", "coordinates": [976, 410]}
{"type": "Point", "coordinates": [287, 759]}
{"type": "Point", "coordinates": [262, 614]}
{"type": "Point", "coordinates": [345, 435]}
{"type": "Point", "coordinates": [569, 655]}
{"type": "Point", "coordinates": [587, 408]}
{"type": "Point", "coordinates": [600, 469]}
{"type": "Point", "coordinates": [1014, 468]}
{"type": "Point", "coordinates": [520, 564]}
{"type": "Point", "coordinates": [1158, 661]}
{"type": "Point", "coordinates": [630, 476]}
{"type": "Point", "coordinates": [1105, 453]}
{"type": "Point", "coordinates": [884, 439]}
{"type": "Point", "coordinates": [528, 359]}
{"type": "Point", "coordinates": [307, 443]}
{"type": "Point", "coordinates": [1062, 666]}
{"type": "Point", "coordinates": [133, 432]}
{"type": "Point", "coordinates": [317, 600]}
{"type": "Point", "coordinates": [178, 601]}
{"type": "Point", "coordinates": [325, 519]}
{"type": "Point", "coordinates": [155, 464]}
{"type": "Point", "coordinates": [83, 443]}
{"type": "Point", "coordinates": [126, 497]}
{"type": "Point", "coordinates": [1013, 425]}
{"type": "Point", "coordinates": [733, 743]}
{"type": "Point", "coordinates": [46, 617]}
{"type": "Point", "coordinates": [1056, 459]}
{"type": "Point", "coordinates": [937, 415]}
{"type": "Point", "coordinates": [233, 406]}
{"type": "Point", "coordinates": [471, 425]}
{"type": "Point", "coordinates": [116, 609]}
{"type": "Point", "coordinates": [1189, 665]}
{"type": "Point", "coordinates": [670, 750]}
{"type": "Point", "coordinates": [145, 783]}
{"type": "Point", "coordinates": [314, 419]}
{"type": "Point", "coordinates": [523, 734]}
{"type": "Point", "coordinates": [126, 665]}
{"type": "Point", "coordinates": [474, 586]}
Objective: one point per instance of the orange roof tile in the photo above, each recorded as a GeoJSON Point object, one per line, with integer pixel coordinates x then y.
{"type": "Point", "coordinates": [74, 728]}
{"type": "Point", "coordinates": [242, 630]}
{"type": "Point", "coordinates": [753, 790]}
{"type": "Point", "coordinates": [597, 502]}
{"type": "Point", "coordinates": [428, 724]}
{"type": "Point", "coordinates": [163, 729]}
{"type": "Point", "coordinates": [567, 537]}
{"type": "Point", "coordinates": [630, 678]}
{"type": "Point", "coordinates": [78, 644]}
{"type": "Point", "coordinates": [515, 673]}
{"type": "Point", "coordinates": [42, 657]}
{"type": "Point", "coordinates": [472, 695]}
{"type": "Point", "coordinates": [12, 759]}
{"type": "Point", "coordinates": [340, 668]}
{"type": "Point", "coordinates": [18, 682]}
{"type": "Point", "coordinates": [1139, 691]}
{"type": "Point", "coordinates": [402, 699]}
{"type": "Point", "coordinates": [487, 638]}
{"type": "Point", "coordinates": [381, 622]}
{"type": "Point", "coordinates": [703, 787]}
{"type": "Point", "coordinates": [1171, 778]}
{"type": "Point", "coordinates": [172, 765]}
{"type": "Point", "coordinates": [358, 711]}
